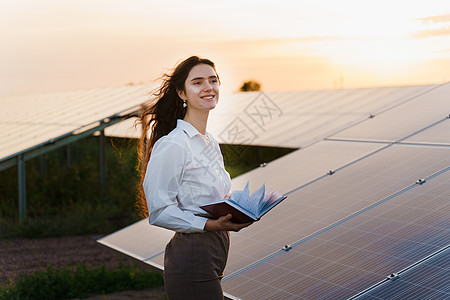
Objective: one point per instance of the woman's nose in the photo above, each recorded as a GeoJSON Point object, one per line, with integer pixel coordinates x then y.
{"type": "Point", "coordinates": [207, 86]}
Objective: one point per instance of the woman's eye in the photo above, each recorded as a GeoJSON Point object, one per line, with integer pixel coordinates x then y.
{"type": "Point", "coordinates": [197, 83]}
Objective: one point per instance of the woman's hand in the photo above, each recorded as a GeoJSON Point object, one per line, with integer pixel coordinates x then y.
{"type": "Point", "coordinates": [224, 224]}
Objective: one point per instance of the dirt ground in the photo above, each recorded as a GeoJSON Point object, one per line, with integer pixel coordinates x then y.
{"type": "Point", "coordinates": [24, 256]}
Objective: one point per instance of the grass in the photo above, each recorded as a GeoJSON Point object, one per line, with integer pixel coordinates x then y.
{"type": "Point", "coordinates": [239, 159]}
{"type": "Point", "coordinates": [68, 200]}
{"type": "Point", "coordinates": [79, 282]}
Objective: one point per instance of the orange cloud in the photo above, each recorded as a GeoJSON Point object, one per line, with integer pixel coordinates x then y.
{"type": "Point", "coordinates": [438, 21]}
{"type": "Point", "coordinates": [431, 33]}
{"type": "Point", "coordinates": [435, 19]}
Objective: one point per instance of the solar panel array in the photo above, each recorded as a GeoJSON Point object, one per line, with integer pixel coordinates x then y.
{"type": "Point", "coordinates": [292, 119]}
{"type": "Point", "coordinates": [357, 250]}
{"type": "Point", "coordinates": [29, 121]}
{"type": "Point", "coordinates": [368, 208]}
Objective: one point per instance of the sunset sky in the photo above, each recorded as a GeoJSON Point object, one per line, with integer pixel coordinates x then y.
{"type": "Point", "coordinates": [48, 46]}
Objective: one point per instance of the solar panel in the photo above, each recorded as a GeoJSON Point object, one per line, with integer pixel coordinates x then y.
{"type": "Point", "coordinates": [315, 206]}
{"type": "Point", "coordinates": [403, 120]}
{"type": "Point", "coordinates": [124, 129]}
{"type": "Point", "coordinates": [293, 119]}
{"type": "Point", "coordinates": [139, 240]}
{"type": "Point", "coordinates": [298, 119]}
{"type": "Point", "coordinates": [426, 280]}
{"type": "Point", "coordinates": [351, 256]}
{"type": "Point", "coordinates": [47, 117]}
{"type": "Point", "coordinates": [305, 165]}
{"type": "Point", "coordinates": [157, 260]}
{"type": "Point", "coordinates": [438, 134]}
{"type": "Point", "coordinates": [75, 107]}
{"type": "Point", "coordinates": [17, 137]}
{"type": "Point", "coordinates": [361, 101]}
{"type": "Point", "coordinates": [303, 130]}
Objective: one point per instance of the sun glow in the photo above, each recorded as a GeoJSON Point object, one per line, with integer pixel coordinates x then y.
{"type": "Point", "coordinates": [287, 44]}
{"type": "Point", "coordinates": [382, 36]}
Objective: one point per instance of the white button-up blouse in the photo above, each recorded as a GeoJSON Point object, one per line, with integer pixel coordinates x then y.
{"type": "Point", "coordinates": [185, 171]}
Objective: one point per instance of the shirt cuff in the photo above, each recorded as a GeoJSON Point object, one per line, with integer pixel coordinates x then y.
{"type": "Point", "coordinates": [198, 225]}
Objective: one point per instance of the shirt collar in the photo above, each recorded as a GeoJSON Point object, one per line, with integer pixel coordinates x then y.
{"type": "Point", "coordinates": [188, 128]}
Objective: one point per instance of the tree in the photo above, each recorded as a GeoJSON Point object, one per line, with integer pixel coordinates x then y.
{"type": "Point", "coordinates": [250, 86]}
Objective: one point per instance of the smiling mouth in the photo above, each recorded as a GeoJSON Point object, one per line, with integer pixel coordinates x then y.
{"type": "Point", "coordinates": [208, 97]}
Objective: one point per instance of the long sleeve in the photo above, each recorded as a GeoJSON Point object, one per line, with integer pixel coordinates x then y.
{"type": "Point", "coordinates": [161, 187]}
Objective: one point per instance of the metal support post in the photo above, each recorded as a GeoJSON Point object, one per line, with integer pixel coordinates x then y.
{"type": "Point", "coordinates": [43, 165]}
{"type": "Point", "coordinates": [102, 160]}
{"type": "Point", "coordinates": [22, 187]}
{"type": "Point", "coordinates": [69, 155]}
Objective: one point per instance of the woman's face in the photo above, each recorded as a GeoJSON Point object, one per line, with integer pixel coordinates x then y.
{"type": "Point", "coordinates": [201, 88]}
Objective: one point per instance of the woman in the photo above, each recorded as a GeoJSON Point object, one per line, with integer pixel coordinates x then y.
{"type": "Point", "coordinates": [183, 169]}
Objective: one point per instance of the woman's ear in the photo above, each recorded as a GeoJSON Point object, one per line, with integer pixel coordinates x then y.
{"type": "Point", "coordinates": [181, 94]}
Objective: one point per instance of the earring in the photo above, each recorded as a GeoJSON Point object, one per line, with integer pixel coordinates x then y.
{"type": "Point", "coordinates": [184, 104]}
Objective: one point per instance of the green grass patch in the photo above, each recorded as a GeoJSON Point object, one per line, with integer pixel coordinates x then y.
{"type": "Point", "coordinates": [68, 200]}
{"type": "Point", "coordinates": [79, 282]}
{"type": "Point", "coordinates": [239, 159]}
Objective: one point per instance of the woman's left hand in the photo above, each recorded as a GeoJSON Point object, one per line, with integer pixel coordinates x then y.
{"type": "Point", "coordinates": [224, 224]}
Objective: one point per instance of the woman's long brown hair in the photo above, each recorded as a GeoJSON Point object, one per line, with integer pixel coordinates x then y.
{"type": "Point", "coordinates": [159, 117]}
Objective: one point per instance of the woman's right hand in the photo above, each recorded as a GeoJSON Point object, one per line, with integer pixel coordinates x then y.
{"type": "Point", "coordinates": [224, 224]}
